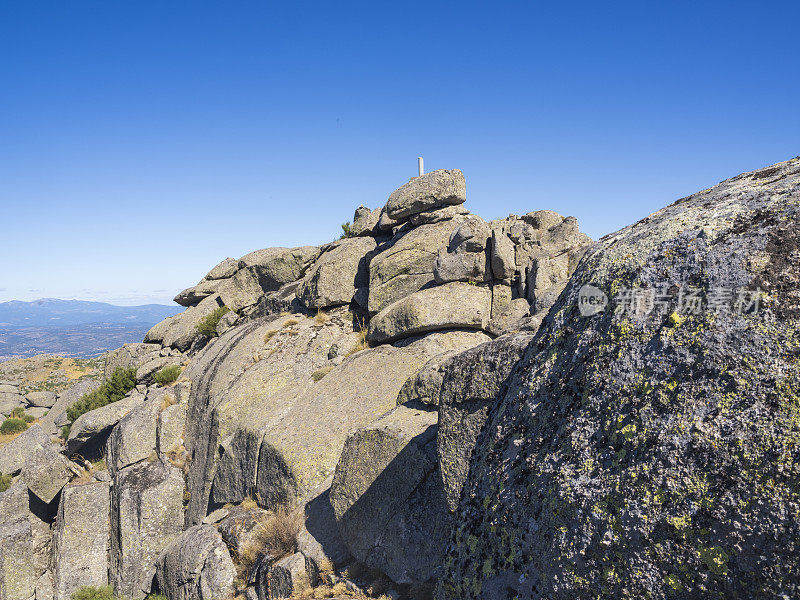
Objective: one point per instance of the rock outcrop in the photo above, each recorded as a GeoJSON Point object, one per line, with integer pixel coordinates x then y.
{"type": "Point", "coordinates": [648, 449]}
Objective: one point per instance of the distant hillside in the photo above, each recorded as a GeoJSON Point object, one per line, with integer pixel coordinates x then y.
{"type": "Point", "coordinates": [50, 312]}
{"type": "Point", "coordinates": [73, 328]}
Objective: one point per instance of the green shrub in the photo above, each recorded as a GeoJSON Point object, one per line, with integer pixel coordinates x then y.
{"type": "Point", "coordinates": [13, 426]}
{"type": "Point", "coordinates": [5, 482]}
{"type": "Point", "coordinates": [208, 324]}
{"type": "Point", "coordinates": [167, 375]}
{"type": "Point", "coordinates": [111, 390]}
{"type": "Point", "coordinates": [345, 230]}
{"type": "Point", "coordinates": [91, 592]}
{"type": "Point", "coordinates": [28, 418]}
{"type": "Point", "coordinates": [65, 432]}
{"type": "Point", "coordinates": [17, 413]}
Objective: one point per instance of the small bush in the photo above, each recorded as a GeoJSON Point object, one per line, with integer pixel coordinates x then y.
{"type": "Point", "coordinates": [277, 533]}
{"type": "Point", "coordinates": [346, 233]}
{"type": "Point", "coordinates": [91, 592]}
{"type": "Point", "coordinates": [208, 324]}
{"type": "Point", "coordinates": [12, 425]}
{"type": "Point", "coordinates": [17, 413]}
{"type": "Point", "coordinates": [167, 375]}
{"type": "Point", "coordinates": [269, 335]}
{"type": "Point", "coordinates": [5, 482]}
{"type": "Point", "coordinates": [65, 432]}
{"type": "Point", "coordinates": [111, 390]}
{"type": "Point", "coordinates": [290, 323]}
{"type": "Point", "coordinates": [319, 374]}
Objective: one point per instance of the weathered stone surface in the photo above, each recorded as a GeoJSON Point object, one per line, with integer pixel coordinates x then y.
{"type": "Point", "coordinates": [228, 320]}
{"type": "Point", "coordinates": [44, 586]}
{"type": "Point", "coordinates": [433, 190]}
{"type": "Point", "coordinates": [503, 255]}
{"type": "Point", "coordinates": [365, 221]}
{"type": "Point", "coordinates": [224, 270]}
{"type": "Point", "coordinates": [171, 427]}
{"type": "Point", "coordinates": [129, 356]}
{"type": "Point", "coordinates": [145, 373]}
{"type": "Point", "coordinates": [653, 444]}
{"type": "Point", "coordinates": [181, 330]}
{"type": "Point", "coordinates": [134, 438]}
{"type": "Point", "coordinates": [9, 402]}
{"type": "Point", "coordinates": [465, 258]}
{"type": "Point", "coordinates": [81, 538]}
{"type": "Point", "coordinates": [16, 453]}
{"type": "Point", "coordinates": [196, 566]}
{"type": "Point", "coordinates": [337, 273]}
{"type": "Point", "coordinates": [146, 515]}
{"type": "Point", "coordinates": [437, 216]}
{"type": "Point", "coordinates": [319, 538]}
{"type": "Point", "coordinates": [471, 382]}
{"type": "Point", "coordinates": [17, 573]}
{"type": "Point", "coordinates": [9, 388]}
{"type": "Point", "coordinates": [510, 317]}
{"type": "Point", "coordinates": [244, 289]}
{"type": "Point", "coordinates": [91, 426]}
{"type": "Point", "coordinates": [387, 496]}
{"type": "Point", "coordinates": [57, 415]}
{"type": "Point", "coordinates": [193, 295]}
{"type": "Point", "coordinates": [450, 306]}
{"type": "Point", "coordinates": [406, 266]}
{"type": "Point", "coordinates": [46, 472]}
{"type": "Point", "coordinates": [239, 526]}
{"type": "Point", "coordinates": [286, 575]}
{"type": "Point", "coordinates": [37, 412]}
{"type": "Point", "coordinates": [41, 399]}
{"type": "Point", "coordinates": [278, 266]}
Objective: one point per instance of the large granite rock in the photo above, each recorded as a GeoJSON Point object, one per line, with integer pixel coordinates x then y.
{"type": "Point", "coordinates": [41, 399]}
{"type": "Point", "coordinates": [15, 454]}
{"type": "Point", "coordinates": [196, 566]}
{"type": "Point", "coordinates": [181, 330]}
{"type": "Point", "coordinates": [81, 538]}
{"type": "Point", "coordinates": [46, 472]}
{"type": "Point", "coordinates": [465, 258]}
{"type": "Point", "coordinates": [278, 266]}
{"type": "Point", "coordinates": [470, 383]}
{"type": "Point", "coordinates": [135, 437]}
{"type": "Point", "coordinates": [9, 402]}
{"type": "Point", "coordinates": [365, 221]}
{"type": "Point", "coordinates": [57, 417]}
{"type": "Point", "coordinates": [450, 306]}
{"type": "Point", "coordinates": [387, 496]}
{"type": "Point", "coordinates": [338, 273]}
{"type": "Point", "coordinates": [319, 538]}
{"type": "Point", "coordinates": [130, 356]}
{"type": "Point", "coordinates": [91, 427]}
{"type": "Point", "coordinates": [240, 527]}
{"type": "Point", "coordinates": [18, 503]}
{"type": "Point", "coordinates": [224, 269]}
{"type": "Point", "coordinates": [433, 190]}
{"type": "Point", "coordinates": [17, 573]}
{"type": "Point", "coordinates": [649, 449]}
{"type": "Point", "coordinates": [146, 515]}
{"type": "Point", "coordinates": [407, 264]}
{"type": "Point", "coordinates": [195, 294]}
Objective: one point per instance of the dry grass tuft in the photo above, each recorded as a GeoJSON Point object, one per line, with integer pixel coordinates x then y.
{"type": "Point", "coordinates": [320, 373]}
{"type": "Point", "coordinates": [167, 401]}
{"type": "Point", "coordinates": [361, 343]}
{"type": "Point", "coordinates": [276, 533]}
{"type": "Point", "coordinates": [290, 323]}
{"type": "Point", "coordinates": [269, 335]}
{"type": "Point", "coordinates": [321, 318]}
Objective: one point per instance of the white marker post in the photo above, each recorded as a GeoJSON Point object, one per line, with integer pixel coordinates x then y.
{"type": "Point", "coordinates": [421, 167]}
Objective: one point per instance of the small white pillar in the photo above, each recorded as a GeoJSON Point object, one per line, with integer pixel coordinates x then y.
{"type": "Point", "coordinates": [421, 166]}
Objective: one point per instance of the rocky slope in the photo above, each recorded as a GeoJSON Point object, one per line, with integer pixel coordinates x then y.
{"type": "Point", "coordinates": [386, 408]}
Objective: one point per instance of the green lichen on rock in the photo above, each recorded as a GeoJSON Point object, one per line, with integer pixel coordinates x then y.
{"type": "Point", "coordinates": [653, 454]}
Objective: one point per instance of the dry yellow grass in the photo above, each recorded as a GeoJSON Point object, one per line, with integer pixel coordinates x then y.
{"type": "Point", "coordinates": [321, 318]}
{"type": "Point", "coordinates": [276, 532]}
{"type": "Point", "coordinates": [290, 323]}
{"type": "Point", "coordinates": [269, 335]}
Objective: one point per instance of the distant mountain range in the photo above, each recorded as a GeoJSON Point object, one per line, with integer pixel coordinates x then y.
{"type": "Point", "coordinates": [73, 328]}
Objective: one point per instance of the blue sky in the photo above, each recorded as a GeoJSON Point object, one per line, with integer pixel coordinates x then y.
{"type": "Point", "coordinates": [142, 142]}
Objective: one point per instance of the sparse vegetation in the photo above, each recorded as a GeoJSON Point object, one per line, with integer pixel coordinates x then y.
{"type": "Point", "coordinates": [321, 317]}
{"type": "Point", "coordinates": [5, 482]}
{"type": "Point", "coordinates": [13, 425]}
{"type": "Point", "coordinates": [19, 413]}
{"type": "Point", "coordinates": [91, 592]}
{"type": "Point", "coordinates": [290, 323]}
{"type": "Point", "coordinates": [208, 324]}
{"type": "Point", "coordinates": [269, 335]}
{"type": "Point", "coordinates": [276, 532]}
{"type": "Point", "coordinates": [111, 390]}
{"type": "Point", "coordinates": [345, 230]}
{"type": "Point", "coordinates": [168, 375]}
{"type": "Point", "coordinates": [320, 373]}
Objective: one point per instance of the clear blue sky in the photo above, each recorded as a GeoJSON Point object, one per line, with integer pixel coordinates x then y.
{"type": "Point", "coordinates": [142, 142]}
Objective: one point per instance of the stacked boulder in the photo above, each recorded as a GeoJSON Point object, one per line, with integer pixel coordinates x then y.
{"type": "Point", "coordinates": [320, 393]}
{"type": "Point", "coordinates": [36, 404]}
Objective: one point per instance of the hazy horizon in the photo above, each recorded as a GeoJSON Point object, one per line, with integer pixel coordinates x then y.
{"type": "Point", "coordinates": [144, 143]}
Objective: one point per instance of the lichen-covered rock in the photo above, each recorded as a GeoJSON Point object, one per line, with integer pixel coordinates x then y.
{"type": "Point", "coordinates": [240, 527]}
{"type": "Point", "coordinates": [16, 453]}
{"type": "Point", "coordinates": [146, 515]}
{"type": "Point", "coordinates": [134, 438]}
{"type": "Point", "coordinates": [285, 576]}
{"type": "Point", "coordinates": [319, 538]}
{"type": "Point", "coordinates": [470, 383]}
{"type": "Point", "coordinates": [81, 539]}
{"type": "Point", "coordinates": [336, 275]}
{"type": "Point", "coordinates": [195, 294]}
{"type": "Point", "coordinates": [652, 449]}
{"type": "Point", "coordinates": [41, 399]}
{"type": "Point", "coordinates": [46, 472]}
{"type": "Point", "coordinates": [146, 372]}
{"type": "Point", "coordinates": [130, 355]}
{"type": "Point", "coordinates": [91, 427]}
{"type": "Point", "coordinates": [196, 566]}
{"type": "Point", "coordinates": [433, 190]}
{"type": "Point", "coordinates": [224, 269]}
{"type": "Point", "coordinates": [181, 330]}
{"type": "Point", "coordinates": [278, 266]}
{"type": "Point", "coordinates": [9, 402]}
{"type": "Point", "coordinates": [451, 306]}
{"type": "Point", "coordinates": [406, 265]}
{"type": "Point", "coordinates": [17, 574]}
{"type": "Point", "coordinates": [365, 221]}
{"type": "Point", "coordinates": [387, 496]}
